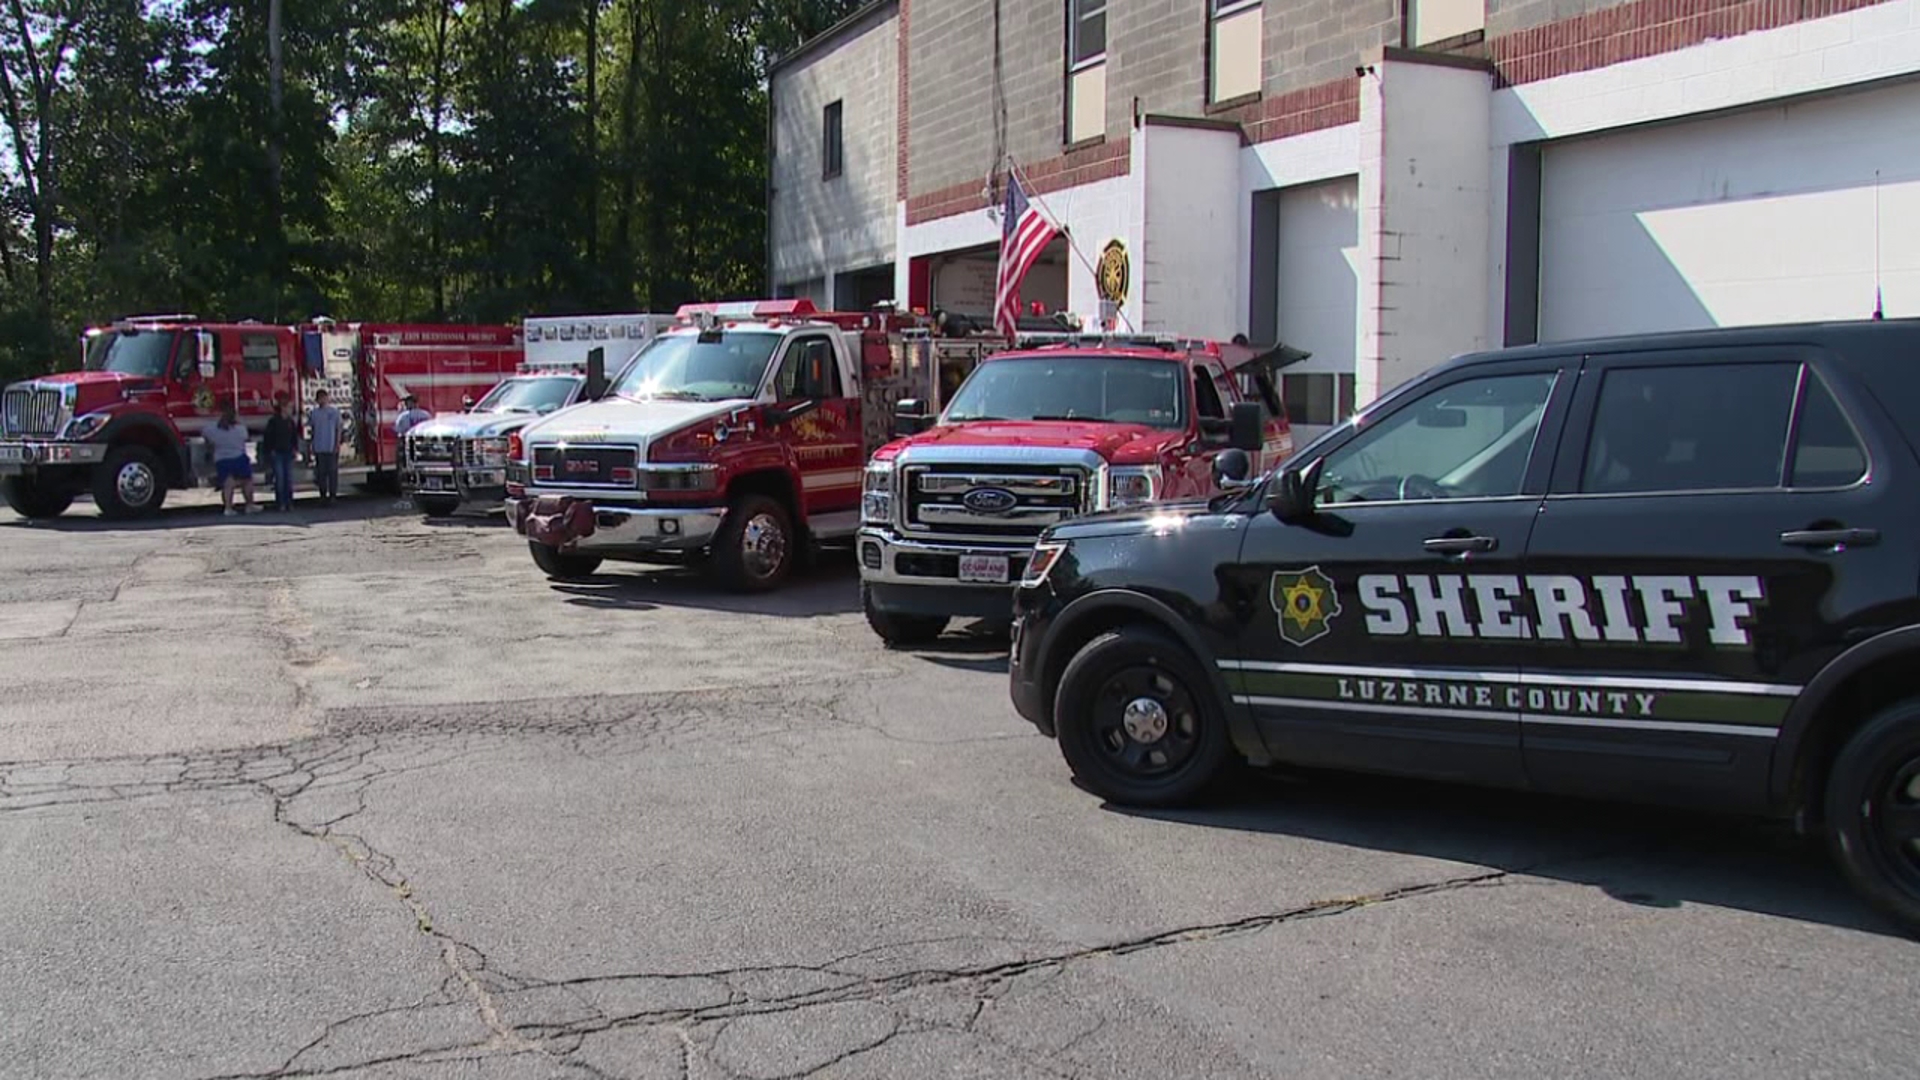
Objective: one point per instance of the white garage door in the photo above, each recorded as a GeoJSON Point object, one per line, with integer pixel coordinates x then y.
{"type": "Point", "coordinates": [1761, 217]}
{"type": "Point", "coordinates": [1319, 299]}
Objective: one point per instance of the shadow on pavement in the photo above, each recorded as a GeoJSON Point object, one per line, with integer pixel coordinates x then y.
{"type": "Point", "coordinates": [1647, 857]}
{"type": "Point", "coordinates": [307, 511]}
{"type": "Point", "coordinates": [830, 587]}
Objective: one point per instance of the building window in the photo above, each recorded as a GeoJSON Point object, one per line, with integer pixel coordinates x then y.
{"type": "Point", "coordinates": [1086, 69]}
{"type": "Point", "coordinates": [1233, 49]}
{"type": "Point", "coordinates": [832, 148]}
{"type": "Point", "coordinates": [1317, 400]}
{"type": "Point", "coordinates": [1430, 22]}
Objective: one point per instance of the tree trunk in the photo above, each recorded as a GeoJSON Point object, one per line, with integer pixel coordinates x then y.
{"type": "Point", "coordinates": [437, 116]}
{"type": "Point", "coordinates": [593, 146]}
{"type": "Point", "coordinates": [276, 154]}
{"type": "Point", "coordinates": [622, 261]}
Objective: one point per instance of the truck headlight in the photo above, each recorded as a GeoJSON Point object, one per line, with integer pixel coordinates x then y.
{"type": "Point", "coordinates": [1040, 563]}
{"type": "Point", "coordinates": [876, 495]}
{"type": "Point", "coordinates": [1133, 485]}
{"type": "Point", "coordinates": [491, 451]}
{"type": "Point", "coordinates": [85, 426]}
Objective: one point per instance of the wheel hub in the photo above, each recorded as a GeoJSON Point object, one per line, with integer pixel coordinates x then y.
{"type": "Point", "coordinates": [1145, 720]}
{"type": "Point", "coordinates": [134, 483]}
{"type": "Point", "coordinates": [763, 545]}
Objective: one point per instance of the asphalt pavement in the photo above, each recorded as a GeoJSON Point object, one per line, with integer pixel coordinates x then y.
{"type": "Point", "coordinates": [350, 793]}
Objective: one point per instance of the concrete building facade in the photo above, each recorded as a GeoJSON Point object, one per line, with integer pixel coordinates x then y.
{"type": "Point", "coordinates": [1387, 183]}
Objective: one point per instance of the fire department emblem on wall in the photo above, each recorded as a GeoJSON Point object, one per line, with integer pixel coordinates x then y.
{"type": "Point", "coordinates": [1306, 602]}
{"type": "Point", "coordinates": [1112, 276]}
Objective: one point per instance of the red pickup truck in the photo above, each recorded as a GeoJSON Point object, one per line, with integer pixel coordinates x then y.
{"type": "Point", "coordinates": [1041, 434]}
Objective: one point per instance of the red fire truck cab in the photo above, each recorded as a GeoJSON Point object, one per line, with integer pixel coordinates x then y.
{"type": "Point", "coordinates": [126, 428]}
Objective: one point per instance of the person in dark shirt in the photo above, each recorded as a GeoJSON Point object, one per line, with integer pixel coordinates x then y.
{"type": "Point", "coordinates": [278, 444]}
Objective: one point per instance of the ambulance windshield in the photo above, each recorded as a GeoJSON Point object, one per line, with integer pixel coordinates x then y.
{"type": "Point", "coordinates": [693, 367]}
{"type": "Point", "coordinates": [540, 395]}
{"type": "Point", "coordinates": [132, 352]}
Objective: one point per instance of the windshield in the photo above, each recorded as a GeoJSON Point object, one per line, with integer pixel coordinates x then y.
{"type": "Point", "coordinates": [528, 395]}
{"type": "Point", "coordinates": [132, 352]}
{"type": "Point", "coordinates": [683, 366]}
{"type": "Point", "coordinates": [1120, 390]}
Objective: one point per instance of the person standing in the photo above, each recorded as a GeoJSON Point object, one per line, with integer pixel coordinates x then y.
{"type": "Point", "coordinates": [277, 444]}
{"type": "Point", "coordinates": [411, 415]}
{"type": "Point", "coordinates": [228, 440]}
{"type": "Point", "coordinates": [323, 442]}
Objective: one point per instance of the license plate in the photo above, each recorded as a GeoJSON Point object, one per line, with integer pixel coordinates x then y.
{"type": "Point", "coordinates": [436, 483]}
{"type": "Point", "coordinates": [991, 569]}
{"type": "Point", "coordinates": [13, 453]}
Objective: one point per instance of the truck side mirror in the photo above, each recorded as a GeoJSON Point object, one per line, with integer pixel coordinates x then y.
{"type": "Point", "coordinates": [203, 340]}
{"type": "Point", "coordinates": [596, 387]}
{"type": "Point", "coordinates": [1293, 494]}
{"type": "Point", "coordinates": [1249, 430]}
{"type": "Point", "coordinates": [910, 417]}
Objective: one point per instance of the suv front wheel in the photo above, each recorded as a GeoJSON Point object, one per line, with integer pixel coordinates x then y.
{"type": "Point", "coordinates": [1138, 722]}
{"type": "Point", "coordinates": [1873, 812]}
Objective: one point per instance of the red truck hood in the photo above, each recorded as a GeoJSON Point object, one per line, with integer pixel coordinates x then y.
{"type": "Point", "coordinates": [1111, 441]}
{"type": "Point", "coordinates": [93, 389]}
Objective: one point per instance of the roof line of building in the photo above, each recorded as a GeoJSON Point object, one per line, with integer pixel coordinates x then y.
{"type": "Point", "coordinates": [829, 35]}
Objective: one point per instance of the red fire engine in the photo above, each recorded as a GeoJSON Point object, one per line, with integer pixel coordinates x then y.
{"type": "Point", "coordinates": [125, 428]}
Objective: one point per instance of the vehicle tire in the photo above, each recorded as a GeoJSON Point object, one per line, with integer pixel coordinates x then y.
{"type": "Point", "coordinates": [897, 630]}
{"type": "Point", "coordinates": [755, 549]}
{"type": "Point", "coordinates": [1873, 812]}
{"type": "Point", "coordinates": [31, 500]}
{"type": "Point", "coordinates": [129, 484]}
{"type": "Point", "coordinates": [436, 505]}
{"type": "Point", "coordinates": [1138, 722]}
{"type": "Point", "coordinates": [561, 566]}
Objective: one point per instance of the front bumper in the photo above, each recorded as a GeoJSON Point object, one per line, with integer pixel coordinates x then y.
{"type": "Point", "coordinates": [24, 455]}
{"type": "Point", "coordinates": [471, 483]}
{"type": "Point", "coordinates": [632, 529]}
{"type": "Point", "coordinates": [916, 577]}
{"type": "Point", "coordinates": [1033, 611]}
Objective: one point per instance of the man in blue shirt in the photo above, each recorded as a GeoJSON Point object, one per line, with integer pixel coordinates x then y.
{"type": "Point", "coordinates": [323, 439]}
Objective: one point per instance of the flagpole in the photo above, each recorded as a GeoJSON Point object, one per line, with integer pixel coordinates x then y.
{"type": "Point", "coordinates": [1034, 197]}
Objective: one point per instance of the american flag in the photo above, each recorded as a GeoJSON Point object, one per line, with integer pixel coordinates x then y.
{"type": "Point", "coordinates": [1024, 234]}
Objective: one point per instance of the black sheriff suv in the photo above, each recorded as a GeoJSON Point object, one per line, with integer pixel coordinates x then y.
{"type": "Point", "coordinates": [1680, 569]}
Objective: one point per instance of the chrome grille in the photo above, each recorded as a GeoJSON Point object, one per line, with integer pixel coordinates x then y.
{"type": "Point", "coordinates": [27, 410]}
{"type": "Point", "coordinates": [963, 500]}
{"type": "Point", "coordinates": [470, 453]}
{"type": "Point", "coordinates": [585, 466]}
{"type": "Point", "coordinates": [424, 449]}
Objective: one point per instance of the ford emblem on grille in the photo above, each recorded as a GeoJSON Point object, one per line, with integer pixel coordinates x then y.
{"type": "Point", "coordinates": [988, 500]}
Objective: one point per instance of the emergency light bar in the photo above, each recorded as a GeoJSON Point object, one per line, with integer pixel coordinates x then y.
{"type": "Point", "coordinates": [747, 310]}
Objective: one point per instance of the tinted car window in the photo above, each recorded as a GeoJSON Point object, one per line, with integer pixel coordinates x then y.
{"type": "Point", "coordinates": [1827, 451]}
{"type": "Point", "coordinates": [1701, 427]}
{"type": "Point", "coordinates": [1466, 439]}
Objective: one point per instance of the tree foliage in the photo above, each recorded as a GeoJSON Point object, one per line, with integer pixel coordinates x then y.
{"type": "Point", "coordinates": [421, 160]}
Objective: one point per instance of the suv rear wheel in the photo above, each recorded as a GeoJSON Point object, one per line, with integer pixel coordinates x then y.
{"type": "Point", "coordinates": [31, 500]}
{"type": "Point", "coordinates": [129, 484]}
{"type": "Point", "coordinates": [1138, 722]}
{"type": "Point", "coordinates": [560, 565]}
{"type": "Point", "coordinates": [900, 630]}
{"type": "Point", "coordinates": [1873, 812]}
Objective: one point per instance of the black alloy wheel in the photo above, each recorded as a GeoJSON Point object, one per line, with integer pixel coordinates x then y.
{"type": "Point", "coordinates": [1137, 721]}
{"type": "Point", "coordinates": [1873, 812]}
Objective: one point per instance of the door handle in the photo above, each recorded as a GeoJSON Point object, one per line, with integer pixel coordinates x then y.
{"type": "Point", "coordinates": [1826, 538]}
{"type": "Point", "coordinates": [1459, 545]}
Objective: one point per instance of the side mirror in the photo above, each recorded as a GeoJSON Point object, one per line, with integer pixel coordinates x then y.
{"type": "Point", "coordinates": [1293, 494]}
{"type": "Point", "coordinates": [910, 417]}
{"type": "Point", "coordinates": [597, 386]}
{"type": "Point", "coordinates": [1249, 431]}
{"type": "Point", "coordinates": [204, 342]}
{"type": "Point", "coordinates": [1232, 470]}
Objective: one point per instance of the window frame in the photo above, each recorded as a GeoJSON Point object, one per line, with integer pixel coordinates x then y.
{"type": "Point", "coordinates": [790, 353]}
{"type": "Point", "coordinates": [254, 338]}
{"type": "Point", "coordinates": [833, 140]}
{"type": "Point", "coordinates": [1075, 16]}
{"type": "Point", "coordinates": [1218, 10]}
{"type": "Point", "coordinates": [1569, 469]}
{"type": "Point", "coordinates": [1542, 456]}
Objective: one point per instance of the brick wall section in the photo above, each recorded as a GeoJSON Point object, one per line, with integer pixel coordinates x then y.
{"type": "Point", "coordinates": [1084, 166]}
{"type": "Point", "coordinates": [903, 81]}
{"type": "Point", "coordinates": [1633, 30]}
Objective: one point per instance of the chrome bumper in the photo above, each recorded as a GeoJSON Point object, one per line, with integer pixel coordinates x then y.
{"type": "Point", "coordinates": [439, 478]}
{"type": "Point", "coordinates": [17, 455]}
{"type": "Point", "coordinates": [915, 562]}
{"type": "Point", "coordinates": [638, 528]}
